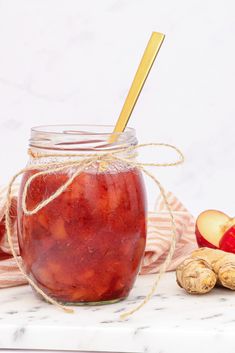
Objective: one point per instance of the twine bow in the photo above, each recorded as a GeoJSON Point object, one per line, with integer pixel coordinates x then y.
{"type": "Point", "coordinates": [82, 162]}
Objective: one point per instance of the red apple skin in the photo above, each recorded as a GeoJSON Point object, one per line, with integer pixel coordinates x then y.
{"type": "Point", "coordinates": [227, 242]}
{"type": "Point", "coordinates": [202, 242]}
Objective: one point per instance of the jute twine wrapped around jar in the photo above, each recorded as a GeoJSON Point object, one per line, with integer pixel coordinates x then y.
{"type": "Point", "coordinates": [84, 161]}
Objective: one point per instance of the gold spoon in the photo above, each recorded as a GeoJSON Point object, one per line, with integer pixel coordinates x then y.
{"type": "Point", "coordinates": [142, 72]}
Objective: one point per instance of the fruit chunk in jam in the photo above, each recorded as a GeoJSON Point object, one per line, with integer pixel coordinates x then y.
{"type": "Point", "coordinates": [87, 244]}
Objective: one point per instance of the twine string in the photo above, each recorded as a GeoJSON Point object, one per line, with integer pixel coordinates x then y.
{"type": "Point", "coordinates": [10, 241]}
{"type": "Point", "coordinates": [84, 161]}
{"type": "Point", "coordinates": [58, 192]}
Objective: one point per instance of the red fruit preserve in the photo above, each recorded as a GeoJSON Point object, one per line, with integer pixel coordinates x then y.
{"type": "Point", "coordinates": [86, 245]}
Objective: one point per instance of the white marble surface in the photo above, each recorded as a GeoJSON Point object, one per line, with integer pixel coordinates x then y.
{"type": "Point", "coordinates": [73, 61]}
{"type": "Point", "coordinates": [172, 322]}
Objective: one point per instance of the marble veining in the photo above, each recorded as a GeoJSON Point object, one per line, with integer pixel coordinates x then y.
{"type": "Point", "coordinates": [161, 326]}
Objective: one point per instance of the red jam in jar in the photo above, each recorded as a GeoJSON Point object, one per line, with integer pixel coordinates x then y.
{"type": "Point", "coordinates": [86, 245]}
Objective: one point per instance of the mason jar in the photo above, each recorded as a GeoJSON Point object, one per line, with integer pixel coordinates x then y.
{"type": "Point", "coordinates": [86, 245]}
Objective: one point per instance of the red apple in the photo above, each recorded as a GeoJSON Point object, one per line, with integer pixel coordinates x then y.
{"type": "Point", "coordinates": [227, 242]}
{"type": "Point", "coordinates": [214, 229]}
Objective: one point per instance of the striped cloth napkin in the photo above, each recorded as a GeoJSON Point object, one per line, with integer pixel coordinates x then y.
{"type": "Point", "coordinates": [159, 235]}
{"type": "Point", "coordinates": [10, 275]}
{"type": "Point", "coordinates": [158, 239]}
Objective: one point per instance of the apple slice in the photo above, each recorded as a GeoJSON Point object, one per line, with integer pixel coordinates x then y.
{"type": "Point", "coordinates": [227, 242]}
{"type": "Point", "coordinates": [211, 225]}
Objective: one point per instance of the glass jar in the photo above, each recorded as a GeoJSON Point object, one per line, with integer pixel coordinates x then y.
{"type": "Point", "coordinates": [86, 245]}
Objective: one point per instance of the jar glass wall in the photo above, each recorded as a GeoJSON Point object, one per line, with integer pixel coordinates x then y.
{"type": "Point", "coordinates": [86, 245]}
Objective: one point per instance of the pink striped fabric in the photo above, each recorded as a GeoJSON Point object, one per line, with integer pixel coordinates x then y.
{"type": "Point", "coordinates": [159, 235]}
{"type": "Point", "coordinates": [10, 276]}
{"type": "Point", "coordinates": [158, 240]}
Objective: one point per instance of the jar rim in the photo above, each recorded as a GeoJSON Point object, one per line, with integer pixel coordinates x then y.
{"type": "Point", "coordinates": [79, 137]}
{"type": "Point", "coordinates": [51, 129]}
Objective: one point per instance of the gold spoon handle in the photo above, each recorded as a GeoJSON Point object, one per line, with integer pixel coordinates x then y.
{"type": "Point", "coordinates": [145, 65]}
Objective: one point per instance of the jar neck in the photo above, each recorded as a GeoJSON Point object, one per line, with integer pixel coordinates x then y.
{"type": "Point", "coordinates": [59, 143]}
{"type": "Point", "coordinates": [65, 139]}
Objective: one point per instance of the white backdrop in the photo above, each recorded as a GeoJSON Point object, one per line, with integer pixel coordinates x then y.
{"type": "Point", "coordinates": [72, 61]}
